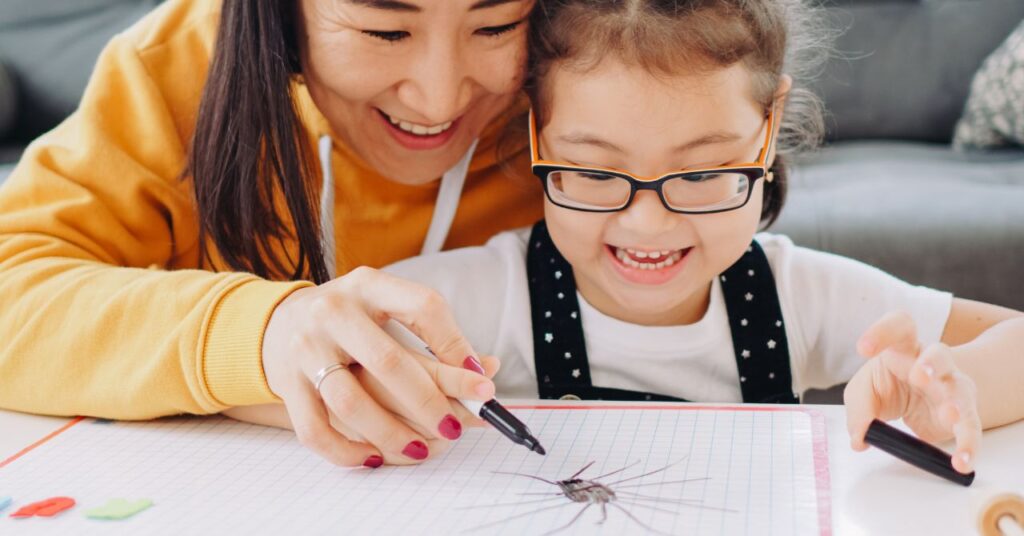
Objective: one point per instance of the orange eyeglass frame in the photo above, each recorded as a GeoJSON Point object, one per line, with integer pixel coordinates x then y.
{"type": "Point", "coordinates": [753, 170]}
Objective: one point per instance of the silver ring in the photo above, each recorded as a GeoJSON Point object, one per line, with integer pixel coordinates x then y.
{"type": "Point", "coordinates": [323, 373]}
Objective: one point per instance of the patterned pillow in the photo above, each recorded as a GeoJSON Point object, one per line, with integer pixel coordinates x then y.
{"type": "Point", "coordinates": [994, 114]}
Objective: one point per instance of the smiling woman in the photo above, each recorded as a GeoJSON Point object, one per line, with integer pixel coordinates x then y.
{"type": "Point", "coordinates": [194, 154]}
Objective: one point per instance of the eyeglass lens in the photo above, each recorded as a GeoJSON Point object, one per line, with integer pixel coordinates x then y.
{"type": "Point", "coordinates": [701, 192]}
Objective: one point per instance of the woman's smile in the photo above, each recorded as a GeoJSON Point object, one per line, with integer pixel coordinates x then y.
{"type": "Point", "coordinates": [416, 136]}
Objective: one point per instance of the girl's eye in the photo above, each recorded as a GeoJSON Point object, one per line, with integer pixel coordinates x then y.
{"type": "Point", "coordinates": [390, 37]}
{"type": "Point", "coordinates": [494, 31]}
{"type": "Point", "coordinates": [704, 177]}
{"type": "Point", "coordinates": [597, 176]}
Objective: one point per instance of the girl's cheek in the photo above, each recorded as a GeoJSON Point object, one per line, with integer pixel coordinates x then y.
{"type": "Point", "coordinates": [577, 235]}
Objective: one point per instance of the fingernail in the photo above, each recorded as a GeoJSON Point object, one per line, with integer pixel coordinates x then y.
{"type": "Point", "coordinates": [929, 370]}
{"type": "Point", "coordinates": [450, 427]}
{"type": "Point", "coordinates": [472, 364]}
{"type": "Point", "coordinates": [373, 462]}
{"type": "Point", "coordinates": [416, 450]}
{"type": "Point", "coordinates": [966, 458]}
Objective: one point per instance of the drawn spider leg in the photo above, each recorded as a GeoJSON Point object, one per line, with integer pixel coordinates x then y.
{"type": "Point", "coordinates": [527, 476]}
{"type": "Point", "coordinates": [649, 473]}
{"type": "Point", "coordinates": [671, 500]}
{"type": "Point", "coordinates": [571, 521]}
{"type": "Point", "coordinates": [652, 507]}
{"type": "Point", "coordinates": [533, 501]}
{"type": "Point", "coordinates": [510, 518]}
{"type": "Point", "coordinates": [604, 513]}
{"type": "Point", "coordinates": [678, 501]}
{"type": "Point", "coordinates": [616, 471]}
{"type": "Point", "coordinates": [541, 493]}
{"type": "Point", "coordinates": [580, 472]}
{"type": "Point", "coordinates": [664, 483]}
{"type": "Point", "coordinates": [638, 522]}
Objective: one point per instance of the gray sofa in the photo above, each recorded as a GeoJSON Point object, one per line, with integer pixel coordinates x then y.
{"type": "Point", "coordinates": [887, 189]}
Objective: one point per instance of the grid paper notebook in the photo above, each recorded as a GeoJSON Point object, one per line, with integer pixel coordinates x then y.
{"type": "Point", "coordinates": [730, 470]}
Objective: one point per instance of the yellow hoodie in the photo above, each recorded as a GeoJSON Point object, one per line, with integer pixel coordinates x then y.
{"type": "Point", "coordinates": [104, 308]}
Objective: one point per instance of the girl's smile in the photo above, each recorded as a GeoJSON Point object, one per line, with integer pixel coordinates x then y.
{"type": "Point", "coordinates": [647, 266]}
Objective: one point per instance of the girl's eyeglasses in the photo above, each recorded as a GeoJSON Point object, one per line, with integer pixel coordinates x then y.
{"type": "Point", "coordinates": [698, 191]}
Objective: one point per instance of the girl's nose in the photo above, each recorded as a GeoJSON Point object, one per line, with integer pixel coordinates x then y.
{"type": "Point", "coordinates": [647, 216]}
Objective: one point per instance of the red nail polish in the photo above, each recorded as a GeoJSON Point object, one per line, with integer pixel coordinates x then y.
{"type": "Point", "coordinates": [472, 364]}
{"type": "Point", "coordinates": [450, 427]}
{"type": "Point", "coordinates": [416, 450]}
{"type": "Point", "coordinates": [374, 462]}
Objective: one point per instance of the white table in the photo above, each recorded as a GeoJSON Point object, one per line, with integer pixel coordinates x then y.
{"type": "Point", "coordinates": [872, 493]}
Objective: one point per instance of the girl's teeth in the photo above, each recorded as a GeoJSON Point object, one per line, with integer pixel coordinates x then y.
{"type": "Point", "coordinates": [625, 255]}
{"type": "Point", "coordinates": [420, 130]}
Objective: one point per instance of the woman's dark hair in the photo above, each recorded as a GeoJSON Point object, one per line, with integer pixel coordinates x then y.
{"type": "Point", "coordinates": [665, 37]}
{"type": "Point", "coordinates": [249, 147]}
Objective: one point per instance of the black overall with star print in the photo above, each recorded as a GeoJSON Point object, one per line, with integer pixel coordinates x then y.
{"type": "Point", "coordinates": [560, 349]}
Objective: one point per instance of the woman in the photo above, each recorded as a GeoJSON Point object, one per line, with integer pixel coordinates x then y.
{"type": "Point", "coordinates": [159, 249]}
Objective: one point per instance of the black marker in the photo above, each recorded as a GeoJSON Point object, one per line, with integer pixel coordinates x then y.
{"type": "Point", "coordinates": [506, 423]}
{"type": "Point", "coordinates": [915, 452]}
{"type": "Point", "coordinates": [491, 411]}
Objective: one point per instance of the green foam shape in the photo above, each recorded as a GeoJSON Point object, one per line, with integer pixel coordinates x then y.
{"type": "Point", "coordinates": [119, 509]}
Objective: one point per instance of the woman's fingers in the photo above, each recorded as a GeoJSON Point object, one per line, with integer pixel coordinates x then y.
{"type": "Point", "coordinates": [352, 405]}
{"type": "Point", "coordinates": [381, 393]}
{"type": "Point", "coordinates": [399, 372]}
{"type": "Point", "coordinates": [421, 309]}
{"type": "Point", "coordinates": [312, 427]}
{"type": "Point", "coordinates": [456, 382]}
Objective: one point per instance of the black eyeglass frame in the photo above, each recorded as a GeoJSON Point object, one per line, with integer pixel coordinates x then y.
{"type": "Point", "coordinates": [753, 170]}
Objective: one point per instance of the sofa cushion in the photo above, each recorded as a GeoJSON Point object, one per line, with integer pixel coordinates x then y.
{"type": "Point", "coordinates": [994, 115]}
{"type": "Point", "coordinates": [904, 68]}
{"type": "Point", "coordinates": [7, 101]}
{"type": "Point", "coordinates": [923, 212]}
{"type": "Point", "coordinates": [51, 47]}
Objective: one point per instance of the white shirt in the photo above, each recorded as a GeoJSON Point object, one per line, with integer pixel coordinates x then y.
{"type": "Point", "coordinates": [827, 301]}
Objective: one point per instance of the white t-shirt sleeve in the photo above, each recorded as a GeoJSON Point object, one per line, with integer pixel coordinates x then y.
{"type": "Point", "coordinates": [829, 301]}
{"type": "Point", "coordinates": [482, 286]}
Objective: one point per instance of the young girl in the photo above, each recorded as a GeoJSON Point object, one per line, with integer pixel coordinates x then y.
{"type": "Point", "coordinates": [654, 131]}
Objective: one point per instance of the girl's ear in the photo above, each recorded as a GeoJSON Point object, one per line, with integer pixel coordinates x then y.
{"type": "Point", "coordinates": [779, 101]}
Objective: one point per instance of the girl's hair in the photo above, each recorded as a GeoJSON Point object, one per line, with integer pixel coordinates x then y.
{"type": "Point", "coordinates": [249, 144]}
{"type": "Point", "coordinates": [667, 37]}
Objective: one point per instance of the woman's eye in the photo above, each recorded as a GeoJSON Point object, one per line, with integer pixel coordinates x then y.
{"type": "Point", "coordinates": [390, 37]}
{"type": "Point", "coordinates": [494, 31]}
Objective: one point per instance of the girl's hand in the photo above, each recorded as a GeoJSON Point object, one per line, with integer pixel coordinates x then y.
{"type": "Point", "coordinates": [389, 405]}
{"type": "Point", "coordinates": [924, 387]}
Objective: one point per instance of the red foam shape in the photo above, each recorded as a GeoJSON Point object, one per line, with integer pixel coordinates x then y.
{"type": "Point", "coordinates": [46, 508]}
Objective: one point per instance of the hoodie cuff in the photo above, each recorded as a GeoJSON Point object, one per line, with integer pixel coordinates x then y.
{"type": "Point", "coordinates": [232, 351]}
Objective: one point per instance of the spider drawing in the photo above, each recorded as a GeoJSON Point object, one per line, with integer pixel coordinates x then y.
{"type": "Point", "coordinates": [589, 492]}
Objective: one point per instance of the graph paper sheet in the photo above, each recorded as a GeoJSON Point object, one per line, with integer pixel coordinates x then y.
{"type": "Point", "coordinates": [744, 471]}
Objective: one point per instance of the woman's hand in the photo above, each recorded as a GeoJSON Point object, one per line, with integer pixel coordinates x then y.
{"type": "Point", "coordinates": [388, 404]}
{"type": "Point", "coordinates": [923, 386]}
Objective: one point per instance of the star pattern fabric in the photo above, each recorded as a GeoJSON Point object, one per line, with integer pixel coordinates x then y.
{"type": "Point", "coordinates": [560, 355]}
